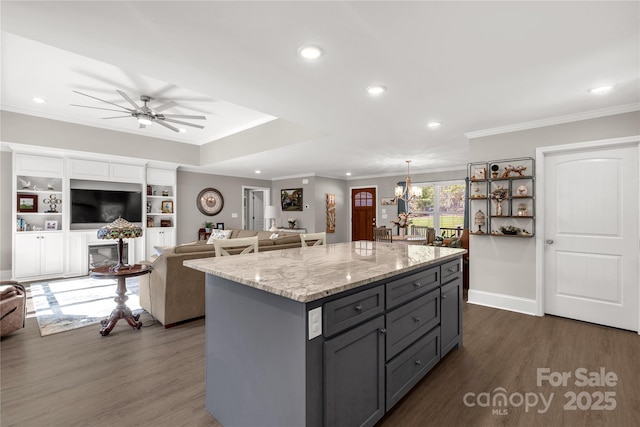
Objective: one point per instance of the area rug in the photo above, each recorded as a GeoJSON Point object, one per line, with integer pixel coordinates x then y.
{"type": "Point", "coordinates": [64, 305]}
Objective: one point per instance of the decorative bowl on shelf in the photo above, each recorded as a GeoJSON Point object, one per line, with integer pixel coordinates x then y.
{"type": "Point", "coordinates": [509, 230]}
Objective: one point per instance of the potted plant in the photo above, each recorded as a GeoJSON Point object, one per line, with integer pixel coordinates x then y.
{"type": "Point", "coordinates": [207, 226]}
{"type": "Point", "coordinates": [292, 222]}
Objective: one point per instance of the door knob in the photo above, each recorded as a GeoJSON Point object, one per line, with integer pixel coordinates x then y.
{"type": "Point", "coordinates": [548, 241]}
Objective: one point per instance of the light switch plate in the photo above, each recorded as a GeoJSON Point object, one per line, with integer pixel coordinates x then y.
{"type": "Point", "coordinates": [305, 181]}
{"type": "Point", "coordinates": [234, 215]}
{"type": "Point", "coordinates": [315, 323]}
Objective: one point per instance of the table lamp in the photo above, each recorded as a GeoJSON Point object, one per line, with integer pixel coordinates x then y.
{"type": "Point", "coordinates": [271, 212]}
{"type": "Point", "coordinates": [119, 229]}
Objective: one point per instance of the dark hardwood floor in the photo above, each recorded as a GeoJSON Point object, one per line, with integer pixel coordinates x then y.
{"type": "Point", "coordinates": [155, 376]}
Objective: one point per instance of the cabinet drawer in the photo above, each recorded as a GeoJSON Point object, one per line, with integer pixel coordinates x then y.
{"type": "Point", "coordinates": [409, 287]}
{"type": "Point", "coordinates": [353, 309]}
{"type": "Point", "coordinates": [411, 365]}
{"type": "Point", "coordinates": [450, 270]}
{"type": "Point", "coordinates": [405, 324]}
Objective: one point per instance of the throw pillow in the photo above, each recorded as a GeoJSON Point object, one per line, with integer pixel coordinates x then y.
{"type": "Point", "coordinates": [274, 236]}
{"type": "Point", "coordinates": [218, 235]}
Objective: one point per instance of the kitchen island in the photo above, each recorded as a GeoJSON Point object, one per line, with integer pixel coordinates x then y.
{"type": "Point", "coordinates": [326, 335]}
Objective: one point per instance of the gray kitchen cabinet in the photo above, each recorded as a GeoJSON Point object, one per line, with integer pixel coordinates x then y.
{"type": "Point", "coordinates": [354, 376]}
{"type": "Point", "coordinates": [450, 307]}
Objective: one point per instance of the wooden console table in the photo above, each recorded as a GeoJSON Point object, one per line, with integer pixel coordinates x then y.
{"type": "Point", "coordinates": [121, 311]}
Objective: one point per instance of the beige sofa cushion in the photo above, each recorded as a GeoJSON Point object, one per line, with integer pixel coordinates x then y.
{"type": "Point", "coordinates": [284, 239]}
{"type": "Point", "coordinates": [244, 233]}
{"type": "Point", "coordinates": [193, 247]}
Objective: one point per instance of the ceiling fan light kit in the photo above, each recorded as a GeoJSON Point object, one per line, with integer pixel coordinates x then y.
{"type": "Point", "coordinates": [146, 115]}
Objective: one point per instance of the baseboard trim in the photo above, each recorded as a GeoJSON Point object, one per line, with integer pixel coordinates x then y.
{"type": "Point", "coordinates": [503, 302]}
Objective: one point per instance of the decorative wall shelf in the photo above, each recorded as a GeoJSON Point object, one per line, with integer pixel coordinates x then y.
{"type": "Point", "coordinates": [502, 194]}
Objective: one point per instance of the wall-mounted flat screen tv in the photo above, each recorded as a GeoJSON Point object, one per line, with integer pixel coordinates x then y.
{"type": "Point", "coordinates": [105, 206]}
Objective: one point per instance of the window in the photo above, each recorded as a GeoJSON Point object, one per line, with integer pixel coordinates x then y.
{"type": "Point", "coordinates": [441, 207]}
{"type": "Point", "coordinates": [363, 199]}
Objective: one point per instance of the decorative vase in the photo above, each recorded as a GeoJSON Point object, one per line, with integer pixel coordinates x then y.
{"type": "Point", "coordinates": [292, 225]}
{"type": "Point", "coordinates": [498, 208]}
{"type": "Point", "coordinates": [403, 231]}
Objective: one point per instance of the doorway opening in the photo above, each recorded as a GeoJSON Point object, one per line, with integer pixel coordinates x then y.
{"type": "Point", "coordinates": [254, 202]}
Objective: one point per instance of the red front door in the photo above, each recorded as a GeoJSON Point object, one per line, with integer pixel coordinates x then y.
{"type": "Point", "coordinates": [363, 213]}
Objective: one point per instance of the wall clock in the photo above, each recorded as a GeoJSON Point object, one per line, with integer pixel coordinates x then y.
{"type": "Point", "coordinates": [210, 201]}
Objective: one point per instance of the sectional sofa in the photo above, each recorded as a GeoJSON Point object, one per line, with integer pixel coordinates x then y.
{"type": "Point", "coordinates": [173, 293]}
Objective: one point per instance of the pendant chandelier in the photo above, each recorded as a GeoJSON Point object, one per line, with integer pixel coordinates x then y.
{"type": "Point", "coordinates": [409, 192]}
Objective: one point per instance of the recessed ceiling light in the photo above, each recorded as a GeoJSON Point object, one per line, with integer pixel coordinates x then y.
{"type": "Point", "coordinates": [181, 130]}
{"type": "Point", "coordinates": [601, 90]}
{"type": "Point", "coordinates": [348, 173]}
{"type": "Point", "coordinates": [39, 100]}
{"type": "Point", "coordinates": [257, 171]}
{"type": "Point", "coordinates": [376, 90]}
{"type": "Point", "coordinates": [434, 125]}
{"type": "Point", "coordinates": [310, 52]}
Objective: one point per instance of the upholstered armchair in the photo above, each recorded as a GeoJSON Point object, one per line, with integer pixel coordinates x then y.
{"type": "Point", "coordinates": [13, 306]}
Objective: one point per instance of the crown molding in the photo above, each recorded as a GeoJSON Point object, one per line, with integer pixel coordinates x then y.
{"type": "Point", "coordinates": [593, 114]}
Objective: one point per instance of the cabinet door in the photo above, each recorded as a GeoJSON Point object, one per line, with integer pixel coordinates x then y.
{"type": "Point", "coordinates": [450, 316]}
{"type": "Point", "coordinates": [158, 236]}
{"type": "Point", "coordinates": [354, 376]}
{"type": "Point", "coordinates": [26, 261]}
{"type": "Point", "coordinates": [51, 253]}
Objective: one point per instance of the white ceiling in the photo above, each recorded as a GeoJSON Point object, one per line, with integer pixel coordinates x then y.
{"type": "Point", "coordinates": [471, 65]}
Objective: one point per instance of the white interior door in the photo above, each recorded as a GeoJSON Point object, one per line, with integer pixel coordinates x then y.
{"type": "Point", "coordinates": [591, 236]}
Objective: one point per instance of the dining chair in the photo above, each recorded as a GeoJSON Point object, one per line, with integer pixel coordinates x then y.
{"type": "Point", "coordinates": [314, 239]}
{"type": "Point", "coordinates": [425, 231]}
{"type": "Point", "coordinates": [382, 234]}
{"type": "Point", "coordinates": [226, 247]}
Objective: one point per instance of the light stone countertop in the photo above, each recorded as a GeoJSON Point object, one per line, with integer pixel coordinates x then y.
{"type": "Point", "coordinates": [310, 273]}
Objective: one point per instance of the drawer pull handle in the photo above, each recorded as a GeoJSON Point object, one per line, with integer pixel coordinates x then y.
{"type": "Point", "coordinates": [417, 284]}
{"type": "Point", "coordinates": [418, 362]}
{"type": "Point", "coordinates": [358, 308]}
{"type": "Point", "coordinates": [416, 319]}
{"type": "Point", "coordinates": [444, 296]}
{"type": "Point", "coordinates": [451, 270]}
{"type": "Point", "coordinates": [383, 331]}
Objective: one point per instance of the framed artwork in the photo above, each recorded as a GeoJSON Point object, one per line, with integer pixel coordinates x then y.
{"type": "Point", "coordinates": [388, 201]}
{"type": "Point", "coordinates": [331, 213]}
{"type": "Point", "coordinates": [167, 206]}
{"type": "Point", "coordinates": [220, 225]}
{"type": "Point", "coordinates": [27, 203]}
{"type": "Point", "coordinates": [51, 225]}
{"type": "Point", "coordinates": [291, 199]}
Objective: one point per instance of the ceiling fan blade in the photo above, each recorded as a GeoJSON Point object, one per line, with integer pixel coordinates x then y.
{"type": "Point", "coordinates": [102, 100]}
{"type": "Point", "coordinates": [167, 125]}
{"type": "Point", "coordinates": [183, 123]}
{"type": "Point", "coordinates": [115, 117]}
{"type": "Point", "coordinates": [99, 108]}
{"type": "Point", "coordinates": [129, 100]}
{"type": "Point", "coordinates": [165, 106]}
{"type": "Point", "coordinates": [185, 116]}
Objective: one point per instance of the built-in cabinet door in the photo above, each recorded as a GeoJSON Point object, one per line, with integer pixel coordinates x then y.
{"type": "Point", "coordinates": [159, 236]}
{"type": "Point", "coordinates": [450, 306]}
{"type": "Point", "coordinates": [39, 254]}
{"type": "Point", "coordinates": [26, 252]}
{"type": "Point", "coordinates": [51, 254]}
{"type": "Point", "coordinates": [354, 376]}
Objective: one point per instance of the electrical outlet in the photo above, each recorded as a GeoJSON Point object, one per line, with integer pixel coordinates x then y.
{"type": "Point", "coordinates": [315, 322]}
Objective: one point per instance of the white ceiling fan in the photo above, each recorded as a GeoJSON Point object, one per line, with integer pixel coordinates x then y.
{"type": "Point", "coordinates": [146, 115]}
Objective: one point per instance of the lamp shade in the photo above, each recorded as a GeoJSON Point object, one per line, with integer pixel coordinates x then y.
{"type": "Point", "coordinates": [119, 229]}
{"type": "Point", "coordinates": [272, 212]}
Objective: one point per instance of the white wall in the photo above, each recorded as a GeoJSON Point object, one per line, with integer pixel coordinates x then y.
{"type": "Point", "coordinates": [503, 267]}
